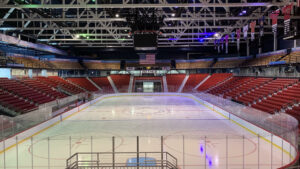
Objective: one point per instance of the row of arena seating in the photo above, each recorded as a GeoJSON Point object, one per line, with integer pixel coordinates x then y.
{"type": "Point", "coordinates": [267, 94]}
{"type": "Point", "coordinates": [174, 81]}
{"type": "Point", "coordinates": [35, 83]}
{"type": "Point", "coordinates": [61, 84]}
{"type": "Point", "coordinates": [15, 103]}
{"type": "Point", "coordinates": [103, 83]}
{"type": "Point", "coordinates": [121, 82]}
{"type": "Point", "coordinates": [24, 91]}
{"type": "Point", "coordinates": [26, 94]}
{"type": "Point", "coordinates": [194, 64]}
{"type": "Point", "coordinates": [263, 60]}
{"type": "Point", "coordinates": [229, 62]}
{"type": "Point", "coordinates": [193, 81]}
{"type": "Point", "coordinates": [214, 80]}
{"type": "Point", "coordinates": [84, 83]}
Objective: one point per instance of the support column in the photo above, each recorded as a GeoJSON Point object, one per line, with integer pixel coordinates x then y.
{"type": "Point", "coordinates": [275, 41]}
{"type": "Point", "coordinates": [248, 48]}
{"type": "Point", "coordinates": [138, 152]}
{"type": "Point", "coordinates": [260, 44]}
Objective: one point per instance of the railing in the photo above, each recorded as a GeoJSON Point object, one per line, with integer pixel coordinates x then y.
{"type": "Point", "coordinates": [120, 160]}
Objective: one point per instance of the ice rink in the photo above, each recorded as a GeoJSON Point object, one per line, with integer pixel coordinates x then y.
{"type": "Point", "coordinates": [196, 135]}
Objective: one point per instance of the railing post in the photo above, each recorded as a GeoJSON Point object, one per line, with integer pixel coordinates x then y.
{"type": "Point", "coordinates": [97, 160]}
{"type": "Point", "coordinates": [162, 151]}
{"type": "Point", "coordinates": [31, 142]}
{"type": "Point", "coordinates": [271, 151]}
{"type": "Point", "coordinates": [70, 146]}
{"type": "Point", "coordinates": [183, 160]}
{"type": "Point", "coordinates": [17, 152]}
{"type": "Point", "coordinates": [137, 152]}
{"type": "Point", "coordinates": [243, 152]}
{"type": "Point", "coordinates": [226, 152]}
{"type": "Point", "coordinates": [113, 151]}
{"type": "Point", "coordinates": [4, 151]}
{"type": "Point", "coordinates": [48, 153]}
{"type": "Point", "coordinates": [205, 152]}
{"type": "Point", "coordinates": [258, 151]}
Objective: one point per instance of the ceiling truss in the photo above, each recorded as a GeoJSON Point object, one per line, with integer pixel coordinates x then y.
{"type": "Point", "coordinates": [94, 23]}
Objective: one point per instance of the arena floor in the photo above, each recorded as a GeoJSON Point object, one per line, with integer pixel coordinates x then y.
{"type": "Point", "coordinates": [183, 122]}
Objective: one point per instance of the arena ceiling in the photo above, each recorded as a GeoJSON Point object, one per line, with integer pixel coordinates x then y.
{"type": "Point", "coordinates": [106, 23]}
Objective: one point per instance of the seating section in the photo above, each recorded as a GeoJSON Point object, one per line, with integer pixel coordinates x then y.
{"type": "Point", "coordinates": [267, 94]}
{"type": "Point", "coordinates": [174, 81]}
{"type": "Point", "coordinates": [229, 85]}
{"type": "Point", "coordinates": [288, 95]}
{"type": "Point", "coordinates": [245, 86]}
{"type": "Point", "coordinates": [103, 83]}
{"type": "Point", "coordinates": [84, 83]}
{"type": "Point", "coordinates": [293, 57]}
{"type": "Point", "coordinates": [60, 84]}
{"type": "Point", "coordinates": [15, 103]}
{"type": "Point", "coordinates": [30, 62]}
{"type": "Point", "coordinates": [193, 81]}
{"type": "Point", "coordinates": [247, 97]}
{"type": "Point", "coordinates": [121, 82]}
{"type": "Point", "coordinates": [95, 64]}
{"type": "Point", "coordinates": [35, 83]}
{"type": "Point", "coordinates": [295, 111]}
{"type": "Point", "coordinates": [194, 64]}
{"type": "Point", "coordinates": [214, 80]}
{"type": "Point", "coordinates": [229, 62]}
{"type": "Point", "coordinates": [264, 90]}
{"type": "Point", "coordinates": [24, 91]}
{"type": "Point", "coordinates": [65, 64]}
{"type": "Point", "coordinates": [263, 60]}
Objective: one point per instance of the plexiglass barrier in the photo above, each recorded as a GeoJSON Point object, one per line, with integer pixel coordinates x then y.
{"type": "Point", "coordinates": [188, 152]}
{"type": "Point", "coordinates": [280, 124]}
{"type": "Point", "coordinates": [235, 137]}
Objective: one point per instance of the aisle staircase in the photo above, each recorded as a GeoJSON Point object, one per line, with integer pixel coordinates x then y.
{"type": "Point", "coordinates": [203, 81]}
{"type": "Point", "coordinates": [165, 84]}
{"type": "Point", "coordinates": [183, 83]}
{"type": "Point", "coordinates": [112, 84]}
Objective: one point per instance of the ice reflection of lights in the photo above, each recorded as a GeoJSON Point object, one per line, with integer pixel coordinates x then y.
{"type": "Point", "coordinates": [209, 159]}
{"type": "Point", "coordinates": [113, 112]}
{"type": "Point", "coordinates": [132, 111]}
{"type": "Point", "coordinates": [216, 160]}
{"type": "Point", "coordinates": [201, 149]}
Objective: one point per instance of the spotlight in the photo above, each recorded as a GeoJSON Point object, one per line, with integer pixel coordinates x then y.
{"type": "Point", "coordinates": [244, 11]}
{"type": "Point", "coordinates": [173, 14]}
{"type": "Point", "coordinates": [216, 35]}
{"type": "Point", "coordinates": [117, 15]}
{"type": "Point", "coordinates": [77, 36]}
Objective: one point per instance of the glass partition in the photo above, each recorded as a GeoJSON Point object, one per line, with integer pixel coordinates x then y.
{"type": "Point", "coordinates": [173, 135]}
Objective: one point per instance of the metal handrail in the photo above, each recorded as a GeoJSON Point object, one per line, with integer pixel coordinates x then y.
{"type": "Point", "coordinates": [73, 162]}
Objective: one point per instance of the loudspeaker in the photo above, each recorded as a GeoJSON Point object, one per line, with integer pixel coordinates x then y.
{"type": "Point", "coordinates": [123, 65]}
{"type": "Point", "coordinates": [173, 64]}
